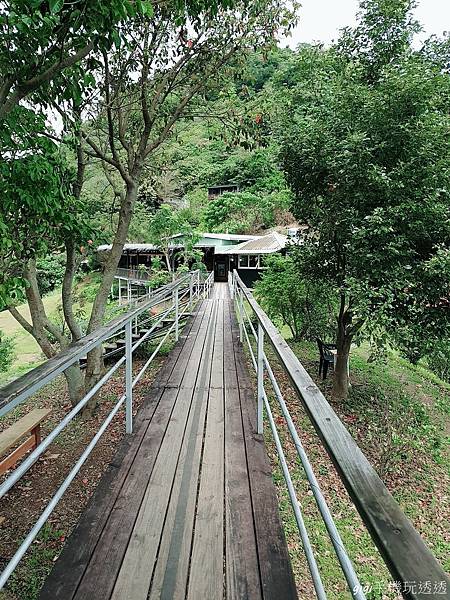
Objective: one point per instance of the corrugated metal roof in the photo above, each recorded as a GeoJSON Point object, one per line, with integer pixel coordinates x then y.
{"type": "Point", "coordinates": [265, 244]}
{"type": "Point", "coordinates": [231, 237]}
{"type": "Point", "coordinates": [223, 236]}
{"type": "Point", "coordinates": [136, 247]}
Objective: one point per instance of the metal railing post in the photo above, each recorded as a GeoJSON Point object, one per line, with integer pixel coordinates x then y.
{"type": "Point", "coordinates": [260, 378]}
{"type": "Point", "coordinates": [129, 377]}
{"type": "Point", "coordinates": [176, 316]}
{"type": "Point", "coordinates": [191, 290]}
{"type": "Point", "coordinates": [241, 315]}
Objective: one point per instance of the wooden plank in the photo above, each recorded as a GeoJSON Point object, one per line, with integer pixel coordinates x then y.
{"type": "Point", "coordinates": [135, 574]}
{"type": "Point", "coordinates": [208, 542]}
{"type": "Point", "coordinates": [229, 365]}
{"type": "Point", "coordinates": [172, 566]}
{"type": "Point", "coordinates": [27, 423]}
{"type": "Point", "coordinates": [388, 526]}
{"type": "Point", "coordinates": [171, 569]}
{"type": "Point", "coordinates": [242, 568]}
{"type": "Point", "coordinates": [276, 572]}
{"type": "Point", "coordinates": [177, 377]}
{"type": "Point", "coordinates": [105, 564]}
{"type": "Point", "coordinates": [217, 370]}
{"type": "Point", "coordinates": [17, 454]}
{"type": "Point", "coordinates": [71, 565]}
{"type": "Point", "coordinates": [206, 573]}
{"type": "Point", "coordinates": [277, 579]}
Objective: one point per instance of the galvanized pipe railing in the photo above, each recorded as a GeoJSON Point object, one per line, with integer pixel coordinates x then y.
{"type": "Point", "coordinates": [207, 285]}
{"type": "Point", "coordinates": [184, 292]}
{"type": "Point", "coordinates": [415, 571]}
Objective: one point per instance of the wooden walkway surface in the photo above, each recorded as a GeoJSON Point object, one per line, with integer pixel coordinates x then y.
{"type": "Point", "coordinates": [187, 509]}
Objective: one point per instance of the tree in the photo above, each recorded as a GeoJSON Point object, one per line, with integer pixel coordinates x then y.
{"type": "Point", "coordinates": [39, 215]}
{"type": "Point", "coordinates": [165, 224]}
{"type": "Point", "coordinates": [368, 161]}
{"type": "Point", "coordinates": [382, 37]}
{"type": "Point", "coordinates": [45, 43]}
{"type": "Point", "coordinates": [147, 86]}
{"type": "Point", "coordinates": [134, 94]}
{"type": "Point", "coordinates": [301, 304]}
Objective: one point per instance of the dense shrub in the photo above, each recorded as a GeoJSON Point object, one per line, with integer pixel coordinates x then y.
{"type": "Point", "coordinates": [7, 354]}
{"type": "Point", "coordinates": [439, 359]}
{"type": "Point", "coordinates": [302, 305]}
{"type": "Point", "coordinates": [243, 212]}
{"type": "Point", "coordinates": [50, 270]}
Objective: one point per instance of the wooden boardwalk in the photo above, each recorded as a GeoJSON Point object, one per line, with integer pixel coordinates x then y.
{"type": "Point", "coordinates": [187, 510]}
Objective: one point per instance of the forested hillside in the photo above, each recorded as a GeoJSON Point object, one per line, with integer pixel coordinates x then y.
{"type": "Point", "coordinates": [224, 141]}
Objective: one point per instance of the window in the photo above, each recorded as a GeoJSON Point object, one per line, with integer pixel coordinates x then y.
{"type": "Point", "coordinates": [243, 261]}
{"type": "Point", "coordinates": [249, 261]}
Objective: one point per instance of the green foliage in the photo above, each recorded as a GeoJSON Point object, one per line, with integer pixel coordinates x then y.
{"type": "Point", "coordinates": [302, 305]}
{"type": "Point", "coordinates": [50, 271]}
{"type": "Point", "coordinates": [242, 212]}
{"type": "Point", "coordinates": [7, 353]}
{"type": "Point", "coordinates": [438, 358]}
{"type": "Point", "coordinates": [44, 43]}
{"type": "Point", "coordinates": [37, 209]}
{"type": "Point", "coordinates": [27, 580]}
{"type": "Point", "coordinates": [368, 161]}
{"type": "Point", "coordinates": [383, 36]}
{"type": "Point", "coordinates": [159, 276]}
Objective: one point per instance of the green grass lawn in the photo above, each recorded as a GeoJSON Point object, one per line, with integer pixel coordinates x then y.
{"type": "Point", "coordinates": [27, 350]}
{"type": "Point", "coordinates": [28, 353]}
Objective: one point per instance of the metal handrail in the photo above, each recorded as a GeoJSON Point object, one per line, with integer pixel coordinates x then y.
{"type": "Point", "coordinates": [402, 549]}
{"type": "Point", "coordinates": [188, 289]}
{"type": "Point", "coordinates": [207, 284]}
{"type": "Point", "coordinates": [134, 273]}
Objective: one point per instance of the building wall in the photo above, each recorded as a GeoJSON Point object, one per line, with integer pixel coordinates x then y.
{"type": "Point", "coordinates": [250, 276]}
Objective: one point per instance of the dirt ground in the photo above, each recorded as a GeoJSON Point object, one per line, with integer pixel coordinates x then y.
{"type": "Point", "coordinates": [20, 508]}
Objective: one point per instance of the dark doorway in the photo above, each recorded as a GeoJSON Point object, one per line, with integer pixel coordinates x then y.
{"type": "Point", "coordinates": [221, 268]}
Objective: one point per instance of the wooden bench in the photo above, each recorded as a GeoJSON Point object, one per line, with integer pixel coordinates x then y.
{"type": "Point", "coordinates": [30, 423]}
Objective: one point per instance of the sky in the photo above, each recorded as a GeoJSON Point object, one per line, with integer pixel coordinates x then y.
{"type": "Point", "coordinates": [320, 20]}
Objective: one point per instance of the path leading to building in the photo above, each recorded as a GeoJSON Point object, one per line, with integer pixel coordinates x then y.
{"type": "Point", "coordinates": [188, 508]}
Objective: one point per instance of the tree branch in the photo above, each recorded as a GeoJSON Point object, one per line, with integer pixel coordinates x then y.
{"type": "Point", "coordinates": [27, 87]}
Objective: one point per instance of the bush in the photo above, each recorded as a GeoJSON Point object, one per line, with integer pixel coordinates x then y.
{"type": "Point", "coordinates": [439, 359]}
{"type": "Point", "coordinates": [50, 271]}
{"type": "Point", "coordinates": [240, 212]}
{"type": "Point", "coordinates": [291, 300]}
{"type": "Point", "coordinates": [7, 354]}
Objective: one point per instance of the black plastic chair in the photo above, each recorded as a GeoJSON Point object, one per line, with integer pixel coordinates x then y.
{"type": "Point", "coordinates": [326, 357]}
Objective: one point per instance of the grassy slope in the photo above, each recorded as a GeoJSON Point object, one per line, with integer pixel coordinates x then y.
{"type": "Point", "coordinates": [26, 348]}
{"type": "Point", "coordinates": [400, 417]}
{"type": "Point", "coordinates": [28, 353]}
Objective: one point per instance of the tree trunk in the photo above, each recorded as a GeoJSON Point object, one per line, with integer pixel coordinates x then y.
{"type": "Point", "coordinates": [75, 383]}
{"type": "Point", "coordinates": [74, 376]}
{"type": "Point", "coordinates": [343, 343]}
{"type": "Point", "coordinates": [341, 380]}
{"type": "Point", "coordinates": [94, 367]}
